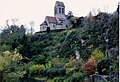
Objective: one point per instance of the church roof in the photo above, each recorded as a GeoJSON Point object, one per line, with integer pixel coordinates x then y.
{"type": "Point", "coordinates": [61, 19]}
{"type": "Point", "coordinates": [51, 19]}
{"type": "Point", "coordinates": [59, 3]}
{"type": "Point", "coordinates": [44, 23]}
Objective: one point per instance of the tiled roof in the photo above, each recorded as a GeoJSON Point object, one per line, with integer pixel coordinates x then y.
{"type": "Point", "coordinates": [59, 3]}
{"type": "Point", "coordinates": [51, 19]}
{"type": "Point", "coordinates": [44, 23]}
{"type": "Point", "coordinates": [61, 19]}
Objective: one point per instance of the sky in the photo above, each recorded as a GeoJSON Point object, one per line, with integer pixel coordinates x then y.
{"type": "Point", "coordinates": [26, 11]}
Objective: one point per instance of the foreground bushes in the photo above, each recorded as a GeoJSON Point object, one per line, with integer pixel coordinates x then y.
{"type": "Point", "coordinates": [103, 66]}
{"type": "Point", "coordinates": [90, 67]}
{"type": "Point", "coordinates": [50, 73]}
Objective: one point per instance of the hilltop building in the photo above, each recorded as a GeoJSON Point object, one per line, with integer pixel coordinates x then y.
{"type": "Point", "coordinates": [58, 21]}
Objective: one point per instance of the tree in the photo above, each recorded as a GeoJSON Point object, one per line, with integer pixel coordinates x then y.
{"type": "Point", "coordinates": [13, 34]}
{"type": "Point", "coordinates": [69, 15]}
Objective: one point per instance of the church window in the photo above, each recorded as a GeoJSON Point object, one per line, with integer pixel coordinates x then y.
{"type": "Point", "coordinates": [53, 25]}
{"type": "Point", "coordinates": [59, 10]}
{"type": "Point", "coordinates": [66, 26]}
{"type": "Point", "coordinates": [62, 10]}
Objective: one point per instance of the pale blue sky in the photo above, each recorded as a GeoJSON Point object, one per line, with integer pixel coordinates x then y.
{"type": "Point", "coordinates": [36, 10]}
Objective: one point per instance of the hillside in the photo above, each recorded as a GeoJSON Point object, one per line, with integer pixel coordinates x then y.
{"type": "Point", "coordinates": [52, 56]}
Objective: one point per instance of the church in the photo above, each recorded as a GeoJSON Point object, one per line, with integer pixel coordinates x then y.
{"type": "Point", "coordinates": [58, 21]}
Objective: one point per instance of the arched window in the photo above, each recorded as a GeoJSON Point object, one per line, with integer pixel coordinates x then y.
{"type": "Point", "coordinates": [59, 10]}
{"type": "Point", "coordinates": [63, 10]}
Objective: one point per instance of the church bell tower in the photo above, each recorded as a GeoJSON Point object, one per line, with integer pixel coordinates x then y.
{"type": "Point", "coordinates": [59, 8]}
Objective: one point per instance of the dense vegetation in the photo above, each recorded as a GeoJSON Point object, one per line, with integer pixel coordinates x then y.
{"type": "Point", "coordinates": [52, 56]}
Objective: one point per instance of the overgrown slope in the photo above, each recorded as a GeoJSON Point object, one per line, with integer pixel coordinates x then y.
{"type": "Point", "coordinates": [52, 56]}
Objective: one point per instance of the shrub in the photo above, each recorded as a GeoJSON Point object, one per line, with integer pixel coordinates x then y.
{"type": "Point", "coordinates": [48, 65]}
{"type": "Point", "coordinates": [17, 57]}
{"type": "Point", "coordinates": [75, 77]}
{"type": "Point", "coordinates": [103, 66]}
{"type": "Point", "coordinates": [90, 67]}
{"type": "Point", "coordinates": [39, 59]}
{"type": "Point", "coordinates": [56, 62]}
{"type": "Point", "coordinates": [97, 54]}
{"type": "Point", "coordinates": [35, 69]}
{"type": "Point", "coordinates": [59, 79]}
{"type": "Point", "coordinates": [68, 79]}
{"type": "Point", "coordinates": [3, 63]}
{"type": "Point", "coordinates": [13, 76]}
{"type": "Point", "coordinates": [78, 77]}
{"type": "Point", "coordinates": [52, 72]}
{"type": "Point", "coordinates": [70, 70]}
{"type": "Point", "coordinates": [73, 62]}
{"type": "Point", "coordinates": [4, 47]}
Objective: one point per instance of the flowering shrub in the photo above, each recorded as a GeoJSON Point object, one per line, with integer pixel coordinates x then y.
{"type": "Point", "coordinates": [90, 67]}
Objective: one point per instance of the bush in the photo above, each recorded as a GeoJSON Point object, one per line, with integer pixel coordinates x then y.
{"type": "Point", "coordinates": [56, 62]}
{"type": "Point", "coordinates": [90, 67]}
{"type": "Point", "coordinates": [75, 77]}
{"type": "Point", "coordinates": [78, 77]}
{"type": "Point", "coordinates": [34, 69]}
{"type": "Point", "coordinates": [4, 47]}
{"type": "Point", "coordinates": [103, 66]}
{"type": "Point", "coordinates": [40, 59]}
{"type": "Point", "coordinates": [13, 76]}
{"type": "Point", "coordinates": [3, 63]}
{"type": "Point", "coordinates": [68, 79]}
{"type": "Point", "coordinates": [52, 72]}
{"type": "Point", "coordinates": [59, 79]}
{"type": "Point", "coordinates": [97, 54]}
{"type": "Point", "coordinates": [69, 71]}
{"type": "Point", "coordinates": [17, 57]}
{"type": "Point", "coordinates": [73, 62]}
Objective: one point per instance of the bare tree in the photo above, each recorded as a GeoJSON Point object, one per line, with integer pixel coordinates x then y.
{"type": "Point", "coordinates": [14, 20]}
{"type": "Point", "coordinates": [32, 26]}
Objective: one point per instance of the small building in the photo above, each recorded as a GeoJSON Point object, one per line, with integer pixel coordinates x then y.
{"type": "Point", "coordinates": [59, 21]}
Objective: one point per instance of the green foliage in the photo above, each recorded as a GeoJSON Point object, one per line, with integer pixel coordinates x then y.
{"type": "Point", "coordinates": [97, 54]}
{"type": "Point", "coordinates": [76, 77]}
{"type": "Point", "coordinates": [16, 57]}
{"type": "Point", "coordinates": [52, 72]}
{"type": "Point", "coordinates": [58, 62]}
{"type": "Point", "coordinates": [58, 79]}
{"type": "Point", "coordinates": [3, 63]}
{"type": "Point", "coordinates": [4, 47]}
{"type": "Point", "coordinates": [73, 62]}
{"type": "Point", "coordinates": [69, 71]}
{"type": "Point", "coordinates": [12, 35]}
{"type": "Point", "coordinates": [13, 76]}
{"type": "Point", "coordinates": [115, 65]}
{"type": "Point", "coordinates": [35, 68]}
{"type": "Point", "coordinates": [48, 65]}
{"type": "Point", "coordinates": [48, 55]}
{"type": "Point", "coordinates": [11, 67]}
{"type": "Point", "coordinates": [79, 76]}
